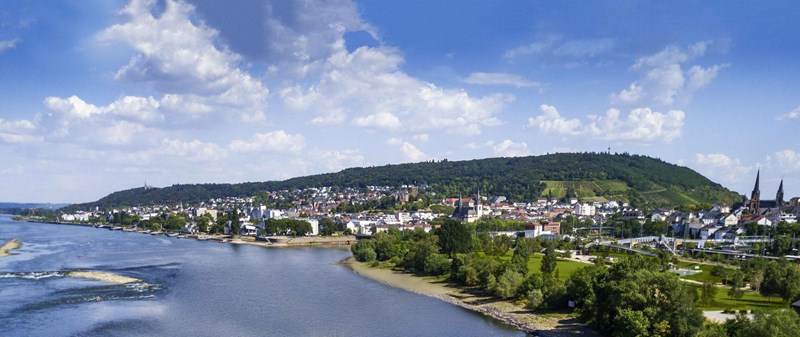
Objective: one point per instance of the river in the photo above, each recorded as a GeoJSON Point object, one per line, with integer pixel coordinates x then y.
{"type": "Point", "coordinates": [193, 288]}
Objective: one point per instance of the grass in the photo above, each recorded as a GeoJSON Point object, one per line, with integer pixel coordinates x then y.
{"type": "Point", "coordinates": [565, 267]}
{"type": "Point", "coordinates": [750, 301]}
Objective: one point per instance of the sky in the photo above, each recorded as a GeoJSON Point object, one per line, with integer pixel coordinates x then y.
{"type": "Point", "coordinates": [98, 96]}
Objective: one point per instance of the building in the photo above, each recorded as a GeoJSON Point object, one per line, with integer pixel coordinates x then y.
{"type": "Point", "coordinates": [584, 209]}
{"type": "Point", "coordinates": [765, 207]}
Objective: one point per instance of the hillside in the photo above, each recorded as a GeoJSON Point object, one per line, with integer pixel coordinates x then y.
{"type": "Point", "coordinates": [590, 176]}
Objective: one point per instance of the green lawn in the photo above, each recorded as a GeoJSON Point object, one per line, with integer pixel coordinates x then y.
{"type": "Point", "coordinates": [750, 301]}
{"type": "Point", "coordinates": [565, 267]}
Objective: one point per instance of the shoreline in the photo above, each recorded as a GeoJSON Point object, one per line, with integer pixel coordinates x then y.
{"type": "Point", "coordinates": [280, 241]}
{"type": "Point", "coordinates": [503, 311]}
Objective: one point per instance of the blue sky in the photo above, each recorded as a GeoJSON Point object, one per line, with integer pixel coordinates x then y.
{"type": "Point", "coordinates": [99, 96]}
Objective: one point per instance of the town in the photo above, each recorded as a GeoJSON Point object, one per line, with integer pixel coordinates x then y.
{"type": "Point", "coordinates": [744, 229]}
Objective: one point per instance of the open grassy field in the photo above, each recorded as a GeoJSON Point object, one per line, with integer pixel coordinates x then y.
{"type": "Point", "coordinates": [750, 301]}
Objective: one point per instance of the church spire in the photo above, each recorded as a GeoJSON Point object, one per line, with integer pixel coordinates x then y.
{"type": "Point", "coordinates": [779, 196]}
{"type": "Point", "coordinates": [755, 197]}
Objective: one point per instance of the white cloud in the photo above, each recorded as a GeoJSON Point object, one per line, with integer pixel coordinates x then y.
{"type": "Point", "coordinates": [178, 57]}
{"type": "Point", "coordinates": [336, 160]}
{"type": "Point", "coordinates": [794, 114]}
{"type": "Point", "coordinates": [551, 122]}
{"type": "Point", "coordinates": [664, 80]}
{"type": "Point", "coordinates": [366, 80]}
{"type": "Point", "coordinates": [18, 131]}
{"type": "Point", "coordinates": [628, 96]}
{"type": "Point", "coordinates": [120, 132]}
{"type": "Point", "coordinates": [508, 148]}
{"type": "Point", "coordinates": [411, 152]}
{"type": "Point", "coordinates": [642, 124]}
{"type": "Point", "coordinates": [482, 78]}
{"type": "Point", "coordinates": [556, 47]}
{"type": "Point", "coordinates": [422, 137]}
{"type": "Point", "coordinates": [531, 49]}
{"type": "Point", "coordinates": [785, 160]}
{"type": "Point", "coordinates": [274, 141]}
{"type": "Point", "coordinates": [194, 150]}
{"type": "Point", "coordinates": [8, 44]}
{"type": "Point", "coordinates": [720, 167]}
{"type": "Point", "coordinates": [382, 120]}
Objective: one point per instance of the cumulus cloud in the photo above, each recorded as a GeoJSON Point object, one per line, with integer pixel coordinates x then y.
{"type": "Point", "coordinates": [642, 124]}
{"type": "Point", "coordinates": [179, 58]}
{"type": "Point", "coordinates": [663, 78]}
{"type": "Point", "coordinates": [551, 122]}
{"type": "Point", "coordinates": [18, 131]}
{"type": "Point", "coordinates": [382, 120]}
{"type": "Point", "coordinates": [794, 114]}
{"type": "Point", "coordinates": [369, 79]}
{"type": "Point", "coordinates": [411, 152]}
{"type": "Point", "coordinates": [508, 148]}
{"type": "Point", "coordinates": [482, 78]}
{"type": "Point", "coordinates": [720, 167]}
{"type": "Point", "coordinates": [336, 160]}
{"type": "Point", "coordinates": [274, 141]}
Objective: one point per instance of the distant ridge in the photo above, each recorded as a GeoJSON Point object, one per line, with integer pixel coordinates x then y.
{"type": "Point", "coordinates": [13, 205]}
{"type": "Point", "coordinates": [590, 176]}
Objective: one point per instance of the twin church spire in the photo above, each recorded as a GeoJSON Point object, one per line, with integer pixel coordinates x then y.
{"type": "Point", "coordinates": [755, 196]}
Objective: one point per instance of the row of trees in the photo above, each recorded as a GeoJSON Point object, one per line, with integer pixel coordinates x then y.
{"type": "Point", "coordinates": [290, 227]}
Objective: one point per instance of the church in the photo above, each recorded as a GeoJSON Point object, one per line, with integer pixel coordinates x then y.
{"type": "Point", "coordinates": [765, 207]}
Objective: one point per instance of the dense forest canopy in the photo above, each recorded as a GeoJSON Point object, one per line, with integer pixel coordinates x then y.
{"type": "Point", "coordinates": [519, 178]}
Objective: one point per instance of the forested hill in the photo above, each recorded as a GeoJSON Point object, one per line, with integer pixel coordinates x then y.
{"type": "Point", "coordinates": [590, 176]}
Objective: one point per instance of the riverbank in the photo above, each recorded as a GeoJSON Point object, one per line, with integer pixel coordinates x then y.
{"type": "Point", "coordinates": [272, 241]}
{"type": "Point", "coordinates": [9, 246]}
{"type": "Point", "coordinates": [555, 325]}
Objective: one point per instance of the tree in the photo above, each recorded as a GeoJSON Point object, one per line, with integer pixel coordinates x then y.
{"type": "Point", "coordinates": [364, 250]}
{"type": "Point", "coordinates": [454, 237]}
{"type": "Point", "coordinates": [509, 284]}
{"type": "Point", "coordinates": [781, 279]}
{"type": "Point", "coordinates": [707, 293]}
{"type": "Point", "coordinates": [549, 262]}
{"type": "Point", "coordinates": [737, 282]}
{"type": "Point", "coordinates": [387, 246]}
{"type": "Point", "coordinates": [779, 323]}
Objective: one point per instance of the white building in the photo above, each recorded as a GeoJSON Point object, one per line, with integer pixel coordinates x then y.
{"type": "Point", "coordinates": [584, 209]}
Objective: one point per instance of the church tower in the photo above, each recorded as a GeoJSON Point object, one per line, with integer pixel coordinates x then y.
{"type": "Point", "coordinates": [755, 197]}
{"type": "Point", "coordinates": [779, 196]}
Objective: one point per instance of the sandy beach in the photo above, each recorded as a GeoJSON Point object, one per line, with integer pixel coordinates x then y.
{"type": "Point", "coordinates": [505, 311]}
{"type": "Point", "coordinates": [9, 246]}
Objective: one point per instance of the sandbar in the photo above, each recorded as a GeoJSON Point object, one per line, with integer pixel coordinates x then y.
{"type": "Point", "coordinates": [10, 245]}
{"type": "Point", "coordinates": [102, 276]}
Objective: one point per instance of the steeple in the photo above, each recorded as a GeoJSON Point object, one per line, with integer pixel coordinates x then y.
{"type": "Point", "coordinates": [755, 197]}
{"type": "Point", "coordinates": [779, 196]}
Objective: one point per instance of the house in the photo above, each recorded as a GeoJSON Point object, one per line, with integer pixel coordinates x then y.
{"type": "Point", "coordinates": [728, 220]}
{"type": "Point", "coordinates": [708, 231]}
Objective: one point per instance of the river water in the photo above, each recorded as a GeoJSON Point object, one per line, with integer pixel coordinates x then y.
{"type": "Point", "coordinates": [192, 288]}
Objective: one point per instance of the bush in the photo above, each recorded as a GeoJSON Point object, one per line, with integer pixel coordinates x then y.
{"type": "Point", "coordinates": [535, 299]}
{"type": "Point", "coordinates": [436, 264]}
